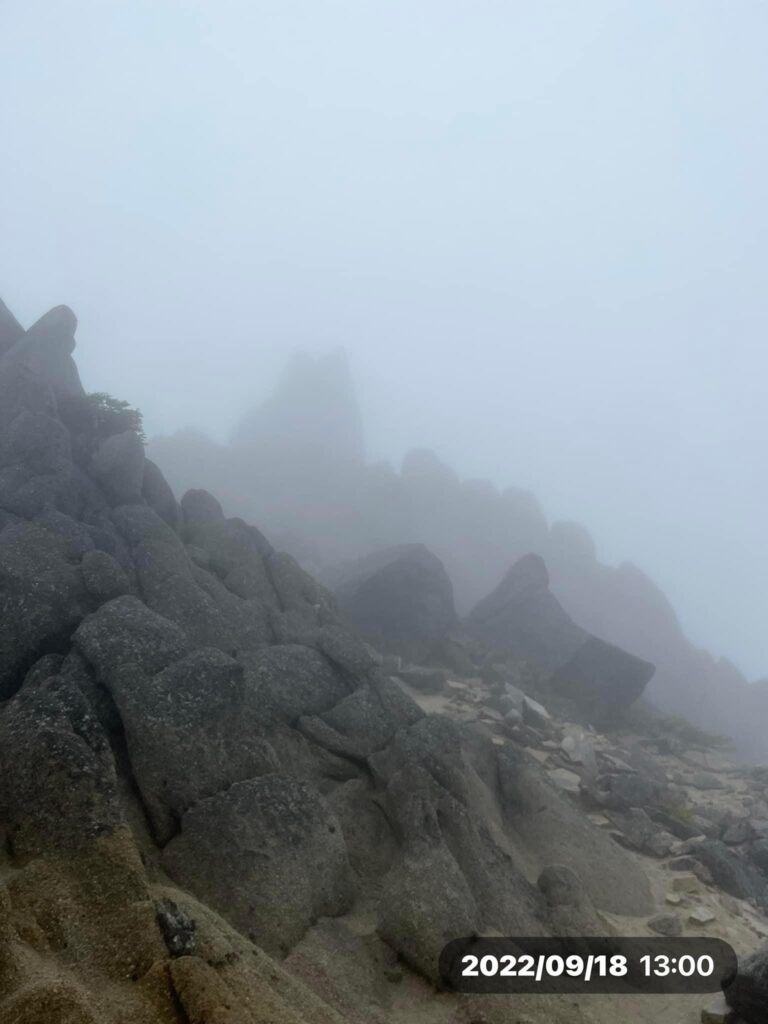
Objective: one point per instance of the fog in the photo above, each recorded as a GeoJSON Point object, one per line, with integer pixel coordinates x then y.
{"type": "Point", "coordinates": [538, 229]}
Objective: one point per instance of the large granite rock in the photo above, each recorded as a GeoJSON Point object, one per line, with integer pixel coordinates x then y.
{"type": "Point", "coordinates": [401, 599]}
{"type": "Point", "coordinates": [190, 733]}
{"type": "Point", "coordinates": [602, 678]}
{"type": "Point", "coordinates": [453, 877]}
{"type": "Point", "coordinates": [118, 465]}
{"type": "Point", "coordinates": [364, 722]}
{"type": "Point", "coordinates": [43, 597]}
{"type": "Point", "coordinates": [269, 855]}
{"type": "Point", "coordinates": [426, 903]}
{"type": "Point", "coordinates": [523, 620]}
{"type": "Point", "coordinates": [58, 786]}
{"type": "Point", "coordinates": [570, 909]}
{"type": "Point", "coordinates": [291, 680]}
{"type": "Point", "coordinates": [46, 349]}
{"type": "Point", "coordinates": [732, 872]}
{"type": "Point", "coordinates": [157, 493]}
{"type": "Point", "coordinates": [174, 587]}
{"type": "Point", "coordinates": [236, 551]}
{"type": "Point", "coordinates": [126, 632]}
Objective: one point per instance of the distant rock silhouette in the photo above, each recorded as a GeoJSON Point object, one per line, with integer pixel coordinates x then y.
{"type": "Point", "coordinates": [10, 329]}
{"type": "Point", "coordinates": [603, 678]}
{"type": "Point", "coordinates": [522, 618]}
{"type": "Point", "coordinates": [46, 350]}
{"type": "Point", "coordinates": [400, 599]}
{"type": "Point", "coordinates": [328, 506]}
{"type": "Point", "coordinates": [314, 409]}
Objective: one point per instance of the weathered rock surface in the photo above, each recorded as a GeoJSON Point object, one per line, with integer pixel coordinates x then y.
{"type": "Point", "coordinates": [178, 699]}
{"type": "Point", "coordinates": [60, 794]}
{"type": "Point", "coordinates": [190, 732]}
{"type": "Point", "coordinates": [118, 465]}
{"type": "Point", "coordinates": [268, 854]}
{"type": "Point", "coordinates": [602, 678]}
{"type": "Point", "coordinates": [46, 349]}
{"type": "Point", "coordinates": [43, 597]}
{"type": "Point", "coordinates": [523, 619]}
{"type": "Point", "coordinates": [571, 911]}
{"type": "Point", "coordinates": [401, 599]}
{"type": "Point", "coordinates": [158, 495]}
{"type": "Point", "coordinates": [733, 873]}
{"type": "Point", "coordinates": [125, 632]}
{"type": "Point", "coordinates": [103, 577]}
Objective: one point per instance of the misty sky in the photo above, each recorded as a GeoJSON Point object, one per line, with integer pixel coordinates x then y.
{"type": "Point", "coordinates": [539, 228]}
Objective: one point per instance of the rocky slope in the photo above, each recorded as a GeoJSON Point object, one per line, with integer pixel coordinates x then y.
{"type": "Point", "coordinates": [218, 806]}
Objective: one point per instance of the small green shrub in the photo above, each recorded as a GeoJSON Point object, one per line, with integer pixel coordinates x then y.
{"type": "Point", "coordinates": [114, 416]}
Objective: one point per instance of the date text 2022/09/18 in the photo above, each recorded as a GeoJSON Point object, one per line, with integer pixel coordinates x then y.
{"type": "Point", "coordinates": [587, 964]}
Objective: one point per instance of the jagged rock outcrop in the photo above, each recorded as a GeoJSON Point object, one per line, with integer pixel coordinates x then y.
{"type": "Point", "coordinates": [46, 350]}
{"type": "Point", "coordinates": [204, 772]}
{"type": "Point", "coordinates": [400, 599]}
{"type": "Point", "coordinates": [201, 766]}
{"type": "Point", "coordinates": [522, 619]}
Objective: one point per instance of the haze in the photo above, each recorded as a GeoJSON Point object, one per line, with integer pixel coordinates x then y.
{"type": "Point", "coordinates": [537, 228]}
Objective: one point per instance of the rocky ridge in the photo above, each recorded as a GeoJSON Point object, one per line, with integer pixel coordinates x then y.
{"type": "Point", "coordinates": [296, 467]}
{"type": "Point", "coordinates": [217, 805]}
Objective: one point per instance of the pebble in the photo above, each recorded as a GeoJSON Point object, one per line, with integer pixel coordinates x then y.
{"type": "Point", "coordinates": [701, 915]}
{"type": "Point", "coordinates": [706, 781]}
{"type": "Point", "coordinates": [600, 820]}
{"type": "Point", "coordinates": [684, 863]}
{"type": "Point", "coordinates": [666, 924]}
{"type": "Point", "coordinates": [686, 883]}
{"type": "Point", "coordinates": [565, 779]}
{"type": "Point", "coordinates": [737, 833]}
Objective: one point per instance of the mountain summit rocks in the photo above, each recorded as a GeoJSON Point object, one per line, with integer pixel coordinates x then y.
{"type": "Point", "coordinates": [295, 467]}
{"type": "Point", "coordinates": [186, 721]}
{"type": "Point", "coordinates": [523, 619]}
{"type": "Point", "coordinates": [211, 789]}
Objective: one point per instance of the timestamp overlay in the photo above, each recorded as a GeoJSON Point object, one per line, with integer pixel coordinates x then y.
{"type": "Point", "coordinates": [583, 965]}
